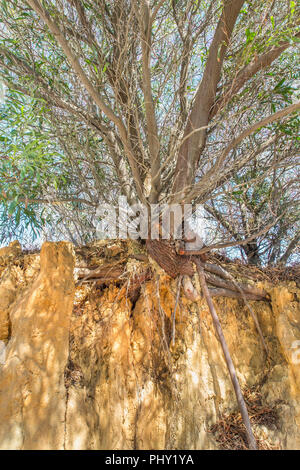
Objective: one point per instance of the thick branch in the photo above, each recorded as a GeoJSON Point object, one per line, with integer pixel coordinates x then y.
{"type": "Point", "coordinates": [144, 19]}
{"type": "Point", "coordinates": [215, 170]}
{"type": "Point", "coordinates": [258, 63]}
{"type": "Point", "coordinates": [36, 6]}
{"type": "Point", "coordinates": [199, 117]}
{"type": "Point", "coordinates": [240, 399]}
{"type": "Point", "coordinates": [293, 244]}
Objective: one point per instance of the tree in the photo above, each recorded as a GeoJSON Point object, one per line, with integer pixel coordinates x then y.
{"type": "Point", "coordinates": [160, 101]}
{"type": "Point", "coordinates": [43, 175]}
{"type": "Point", "coordinates": [164, 101]}
{"type": "Point", "coordinates": [169, 87]}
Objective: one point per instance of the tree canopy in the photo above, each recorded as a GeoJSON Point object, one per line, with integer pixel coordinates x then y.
{"type": "Point", "coordinates": [181, 101]}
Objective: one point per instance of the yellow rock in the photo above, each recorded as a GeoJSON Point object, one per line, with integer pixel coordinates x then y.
{"type": "Point", "coordinates": [32, 390]}
{"type": "Point", "coordinates": [10, 252]}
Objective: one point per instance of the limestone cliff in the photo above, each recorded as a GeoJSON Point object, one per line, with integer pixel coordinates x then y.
{"type": "Point", "coordinates": [88, 366]}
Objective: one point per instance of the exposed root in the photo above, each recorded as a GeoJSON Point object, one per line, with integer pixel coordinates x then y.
{"type": "Point", "coordinates": [231, 369]}
{"type": "Point", "coordinates": [175, 308]}
{"type": "Point", "coordinates": [221, 278]}
{"type": "Point", "coordinates": [164, 253]}
{"type": "Point", "coordinates": [218, 292]}
{"type": "Point", "coordinates": [252, 313]}
{"type": "Point", "coordinates": [220, 282]}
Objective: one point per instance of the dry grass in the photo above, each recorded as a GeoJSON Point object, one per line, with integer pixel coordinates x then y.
{"type": "Point", "coordinates": [272, 274]}
{"type": "Point", "coordinates": [229, 431]}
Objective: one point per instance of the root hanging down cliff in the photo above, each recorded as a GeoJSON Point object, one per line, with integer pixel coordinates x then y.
{"type": "Point", "coordinates": [92, 360]}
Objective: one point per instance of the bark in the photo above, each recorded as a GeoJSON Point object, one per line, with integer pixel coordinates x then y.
{"type": "Point", "coordinates": [164, 253]}
{"type": "Point", "coordinates": [240, 399]}
{"type": "Point", "coordinates": [223, 292]}
{"type": "Point", "coordinates": [229, 287]}
{"type": "Point", "coordinates": [252, 252]}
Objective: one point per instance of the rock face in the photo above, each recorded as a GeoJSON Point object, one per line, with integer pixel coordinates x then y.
{"type": "Point", "coordinates": [86, 368]}
{"type": "Point", "coordinates": [32, 389]}
{"type": "Point", "coordinates": [7, 286]}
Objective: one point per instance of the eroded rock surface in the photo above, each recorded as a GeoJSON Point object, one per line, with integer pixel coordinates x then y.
{"type": "Point", "coordinates": [87, 368]}
{"type": "Point", "coordinates": [32, 389]}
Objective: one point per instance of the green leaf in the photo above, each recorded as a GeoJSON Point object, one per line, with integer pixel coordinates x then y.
{"type": "Point", "coordinates": [292, 7]}
{"type": "Point", "coordinates": [272, 21]}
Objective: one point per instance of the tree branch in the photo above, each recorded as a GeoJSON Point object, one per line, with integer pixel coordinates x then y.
{"type": "Point", "coordinates": [244, 75]}
{"type": "Point", "coordinates": [219, 246]}
{"type": "Point", "coordinates": [293, 244]}
{"type": "Point", "coordinates": [240, 399]}
{"type": "Point", "coordinates": [250, 130]}
{"type": "Point", "coordinates": [36, 6]}
{"type": "Point", "coordinates": [204, 99]}
{"type": "Point", "coordinates": [143, 14]}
